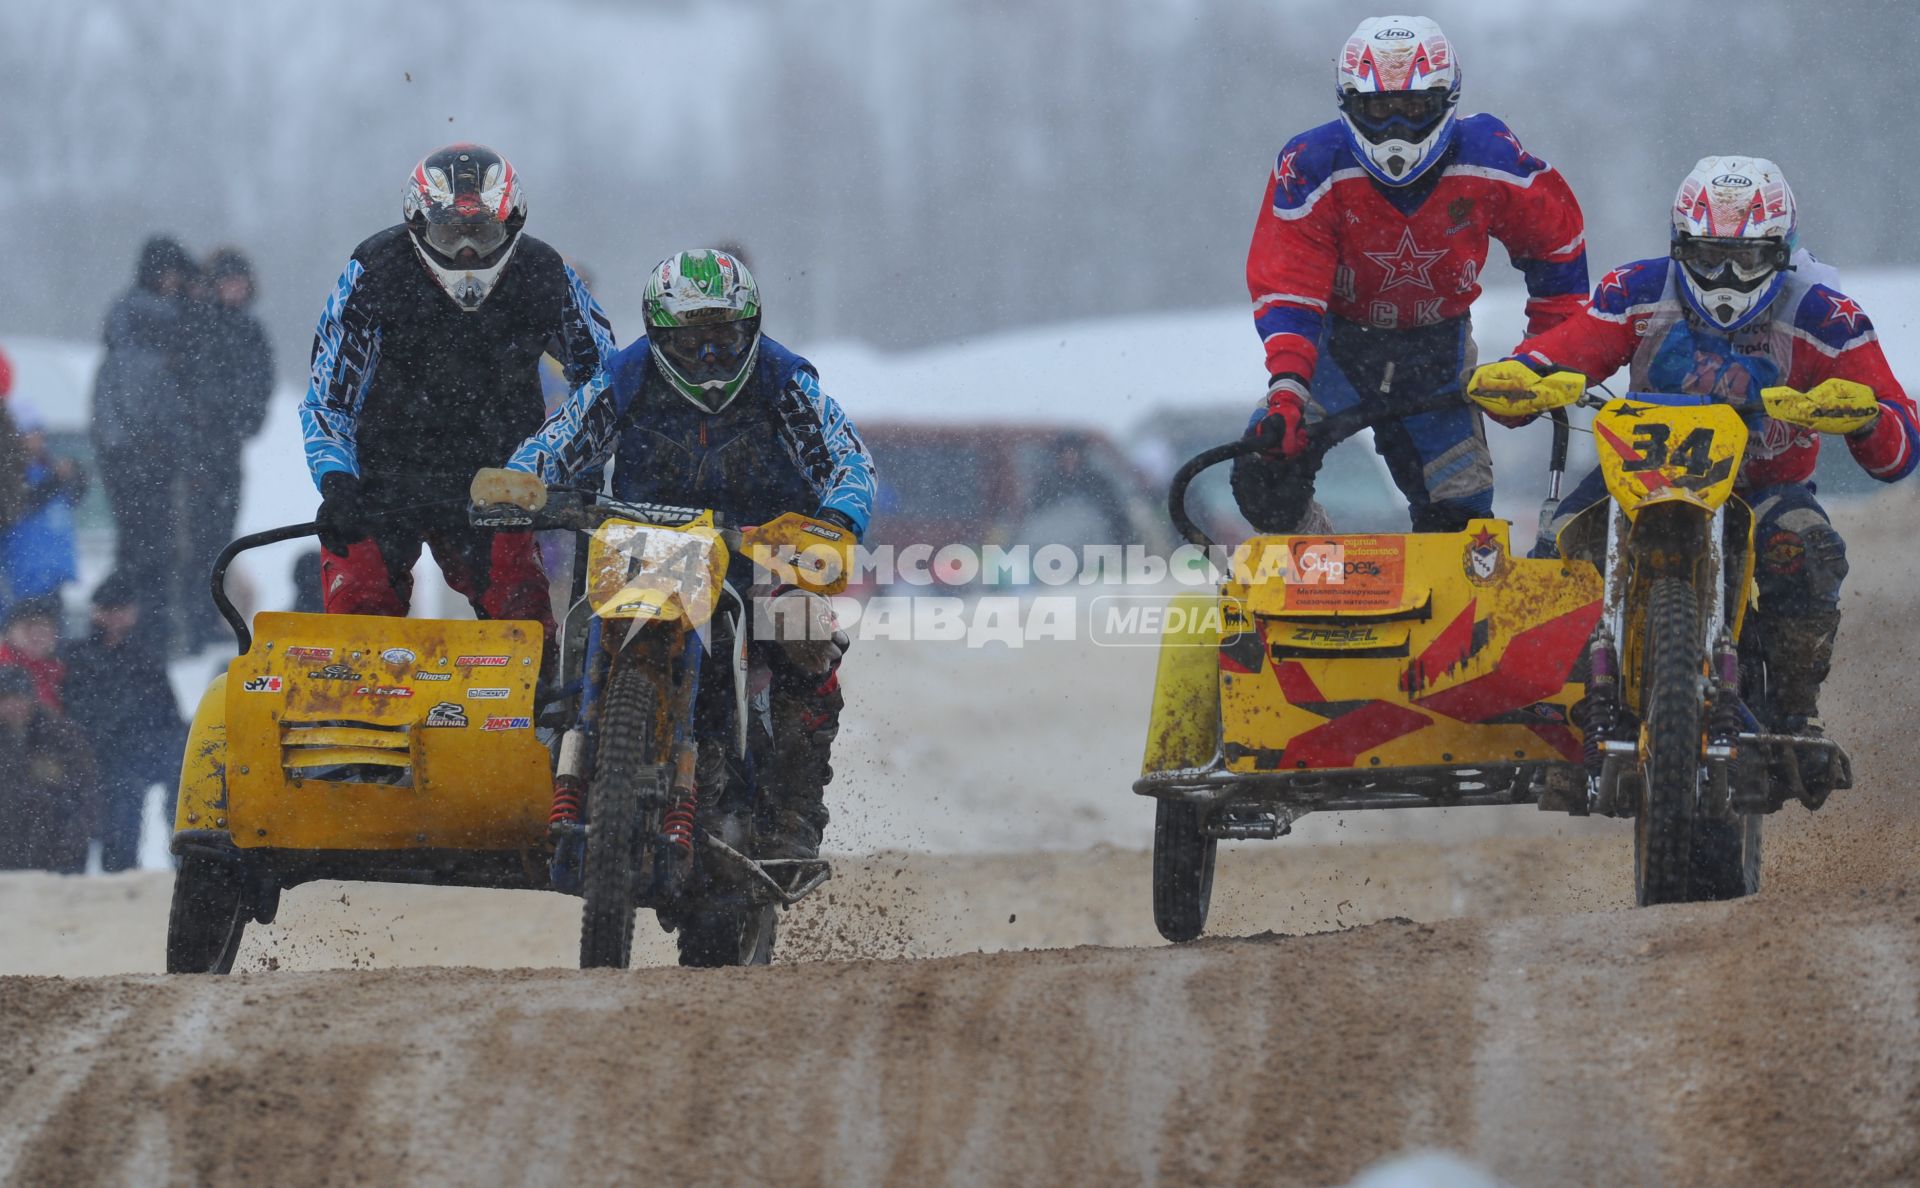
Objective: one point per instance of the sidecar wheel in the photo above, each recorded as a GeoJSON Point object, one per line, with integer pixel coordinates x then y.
{"type": "Point", "coordinates": [208, 916]}
{"type": "Point", "coordinates": [1182, 871]}
{"type": "Point", "coordinates": [742, 936]}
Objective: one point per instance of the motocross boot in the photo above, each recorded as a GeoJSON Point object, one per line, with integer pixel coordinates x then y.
{"type": "Point", "coordinates": [793, 814]}
{"type": "Point", "coordinates": [1799, 656]}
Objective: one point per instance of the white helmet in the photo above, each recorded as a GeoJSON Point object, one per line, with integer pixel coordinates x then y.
{"type": "Point", "coordinates": [1398, 83]}
{"type": "Point", "coordinates": [1734, 231]}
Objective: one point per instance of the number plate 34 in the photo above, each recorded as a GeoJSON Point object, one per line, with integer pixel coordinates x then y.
{"type": "Point", "coordinates": [1657, 453]}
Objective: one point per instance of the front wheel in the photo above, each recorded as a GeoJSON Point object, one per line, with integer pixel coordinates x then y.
{"type": "Point", "coordinates": [739, 936]}
{"type": "Point", "coordinates": [622, 777]}
{"type": "Point", "coordinates": [208, 916]}
{"type": "Point", "coordinates": [1182, 871]}
{"type": "Point", "coordinates": [1726, 858]}
{"type": "Point", "coordinates": [1673, 690]}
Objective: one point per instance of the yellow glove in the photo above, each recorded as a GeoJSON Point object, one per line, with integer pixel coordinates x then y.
{"type": "Point", "coordinates": [1510, 388]}
{"type": "Point", "coordinates": [1833, 406]}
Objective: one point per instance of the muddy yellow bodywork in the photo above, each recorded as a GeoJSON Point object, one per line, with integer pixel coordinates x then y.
{"type": "Point", "coordinates": [364, 733]}
{"type": "Point", "coordinates": [1184, 730]}
{"type": "Point", "coordinates": [1343, 652]}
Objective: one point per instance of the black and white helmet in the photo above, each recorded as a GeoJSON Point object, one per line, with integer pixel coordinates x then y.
{"type": "Point", "coordinates": [464, 207]}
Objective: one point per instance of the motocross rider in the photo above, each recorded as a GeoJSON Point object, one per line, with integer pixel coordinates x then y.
{"type": "Point", "coordinates": [1366, 257]}
{"type": "Point", "coordinates": [1735, 309]}
{"type": "Point", "coordinates": [707, 411]}
{"type": "Point", "coordinates": [426, 368]}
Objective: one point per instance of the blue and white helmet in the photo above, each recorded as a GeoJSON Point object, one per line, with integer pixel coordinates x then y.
{"type": "Point", "coordinates": [1398, 85]}
{"type": "Point", "coordinates": [1734, 232]}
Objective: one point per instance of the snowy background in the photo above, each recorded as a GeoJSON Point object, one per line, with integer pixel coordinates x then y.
{"type": "Point", "coordinates": [900, 172]}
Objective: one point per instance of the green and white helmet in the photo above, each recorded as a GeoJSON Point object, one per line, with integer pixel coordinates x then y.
{"type": "Point", "coordinates": [703, 325]}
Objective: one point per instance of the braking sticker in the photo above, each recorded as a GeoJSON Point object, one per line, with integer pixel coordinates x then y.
{"type": "Point", "coordinates": [481, 661]}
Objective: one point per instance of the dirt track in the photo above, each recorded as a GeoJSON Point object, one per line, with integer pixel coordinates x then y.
{"type": "Point", "coordinates": [1529, 1019]}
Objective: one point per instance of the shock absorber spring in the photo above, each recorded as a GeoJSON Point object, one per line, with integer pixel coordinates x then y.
{"type": "Point", "coordinates": [677, 826]}
{"type": "Point", "coordinates": [566, 801]}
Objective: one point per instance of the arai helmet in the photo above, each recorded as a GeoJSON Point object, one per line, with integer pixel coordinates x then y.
{"type": "Point", "coordinates": [1734, 233]}
{"type": "Point", "coordinates": [702, 311]}
{"type": "Point", "coordinates": [464, 208]}
{"type": "Point", "coordinates": [1398, 84]}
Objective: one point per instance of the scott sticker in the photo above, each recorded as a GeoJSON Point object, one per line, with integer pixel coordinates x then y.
{"type": "Point", "coordinates": [262, 684]}
{"type": "Point", "coordinates": [481, 661]}
{"type": "Point", "coordinates": [487, 694]}
{"type": "Point", "coordinates": [447, 713]}
{"type": "Point", "coordinates": [499, 723]}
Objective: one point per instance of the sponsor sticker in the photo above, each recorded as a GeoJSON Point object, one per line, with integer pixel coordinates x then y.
{"type": "Point", "coordinates": [481, 661]}
{"type": "Point", "coordinates": [424, 675]}
{"type": "Point", "coordinates": [384, 691]}
{"type": "Point", "coordinates": [334, 672]}
{"type": "Point", "coordinates": [262, 684]}
{"type": "Point", "coordinates": [447, 713]}
{"type": "Point", "coordinates": [503, 723]}
{"type": "Point", "coordinates": [487, 694]}
{"type": "Point", "coordinates": [397, 656]}
{"type": "Point", "coordinates": [1346, 572]}
{"type": "Point", "coordinates": [310, 655]}
{"type": "Point", "coordinates": [1486, 561]}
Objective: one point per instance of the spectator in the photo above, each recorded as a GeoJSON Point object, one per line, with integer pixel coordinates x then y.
{"type": "Point", "coordinates": [119, 696]}
{"type": "Point", "coordinates": [229, 376]}
{"type": "Point", "coordinates": [140, 431]}
{"type": "Point", "coordinates": [49, 799]}
{"type": "Point", "coordinates": [30, 642]}
{"type": "Point", "coordinates": [37, 552]}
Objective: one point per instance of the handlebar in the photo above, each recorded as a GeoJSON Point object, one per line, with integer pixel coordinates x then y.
{"type": "Point", "coordinates": [1322, 436]}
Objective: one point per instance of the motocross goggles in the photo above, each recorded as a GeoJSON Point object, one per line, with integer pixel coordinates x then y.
{"type": "Point", "coordinates": [449, 240]}
{"type": "Point", "coordinates": [709, 352]}
{"type": "Point", "coordinates": [1395, 115]}
{"type": "Point", "coordinates": [1726, 263]}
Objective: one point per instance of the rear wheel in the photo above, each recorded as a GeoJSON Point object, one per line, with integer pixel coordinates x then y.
{"type": "Point", "coordinates": [622, 778]}
{"type": "Point", "coordinates": [208, 916]}
{"type": "Point", "coordinates": [740, 936]}
{"type": "Point", "coordinates": [1673, 691]}
{"type": "Point", "coordinates": [1182, 871]}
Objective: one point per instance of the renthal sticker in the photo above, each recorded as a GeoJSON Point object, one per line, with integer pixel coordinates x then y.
{"type": "Point", "coordinates": [487, 694]}
{"type": "Point", "coordinates": [310, 655]}
{"type": "Point", "coordinates": [481, 661]}
{"type": "Point", "coordinates": [262, 684]}
{"type": "Point", "coordinates": [397, 657]}
{"type": "Point", "coordinates": [447, 713]}
{"type": "Point", "coordinates": [334, 672]}
{"type": "Point", "coordinates": [424, 675]}
{"type": "Point", "coordinates": [498, 723]}
{"type": "Point", "coordinates": [384, 691]}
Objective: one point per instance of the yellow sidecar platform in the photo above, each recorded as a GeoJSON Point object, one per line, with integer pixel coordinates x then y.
{"type": "Point", "coordinates": [1372, 671]}
{"type": "Point", "coordinates": [344, 744]}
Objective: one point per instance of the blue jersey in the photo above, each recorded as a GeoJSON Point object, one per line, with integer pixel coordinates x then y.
{"type": "Point", "coordinates": [782, 445]}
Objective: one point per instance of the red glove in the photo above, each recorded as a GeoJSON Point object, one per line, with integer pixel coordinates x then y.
{"type": "Point", "coordinates": [1283, 431]}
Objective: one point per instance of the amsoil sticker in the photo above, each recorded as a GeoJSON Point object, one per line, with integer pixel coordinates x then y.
{"type": "Point", "coordinates": [1346, 572]}
{"type": "Point", "coordinates": [334, 672]}
{"type": "Point", "coordinates": [262, 684]}
{"type": "Point", "coordinates": [310, 655]}
{"type": "Point", "coordinates": [447, 713]}
{"type": "Point", "coordinates": [424, 675]}
{"type": "Point", "coordinates": [481, 661]}
{"type": "Point", "coordinates": [487, 694]}
{"type": "Point", "coordinates": [384, 691]}
{"type": "Point", "coordinates": [498, 723]}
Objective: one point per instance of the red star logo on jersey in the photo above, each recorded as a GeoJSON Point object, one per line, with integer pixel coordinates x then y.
{"type": "Point", "coordinates": [1526, 158]}
{"type": "Point", "coordinates": [1616, 281]}
{"type": "Point", "coordinates": [1284, 175]}
{"type": "Point", "coordinates": [1844, 309]}
{"type": "Point", "coordinates": [1406, 264]}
